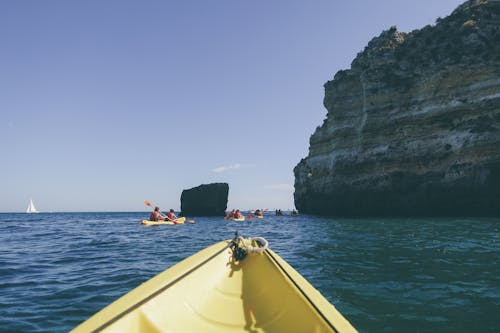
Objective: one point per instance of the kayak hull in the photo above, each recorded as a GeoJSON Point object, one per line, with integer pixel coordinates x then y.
{"type": "Point", "coordinates": [179, 220]}
{"type": "Point", "coordinates": [241, 219]}
{"type": "Point", "coordinates": [211, 292]}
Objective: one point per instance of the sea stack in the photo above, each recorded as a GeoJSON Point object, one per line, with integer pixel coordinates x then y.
{"type": "Point", "coordinates": [205, 200]}
{"type": "Point", "coordinates": [413, 127]}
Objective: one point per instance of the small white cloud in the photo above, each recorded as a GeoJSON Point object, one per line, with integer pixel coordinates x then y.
{"type": "Point", "coordinates": [225, 168]}
{"type": "Point", "coordinates": [279, 187]}
{"type": "Point", "coordinates": [231, 167]}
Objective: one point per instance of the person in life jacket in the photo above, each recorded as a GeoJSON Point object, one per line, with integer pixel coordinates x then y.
{"type": "Point", "coordinates": [156, 215]}
{"type": "Point", "coordinates": [230, 215]}
{"type": "Point", "coordinates": [237, 214]}
{"type": "Point", "coordinates": [171, 216]}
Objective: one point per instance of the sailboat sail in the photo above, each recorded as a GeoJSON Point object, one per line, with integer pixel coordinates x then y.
{"type": "Point", "coordinates": [31, 207]}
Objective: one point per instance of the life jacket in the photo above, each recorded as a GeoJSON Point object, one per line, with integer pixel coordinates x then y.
{"type": "Point", "coordinates": [154, 216]}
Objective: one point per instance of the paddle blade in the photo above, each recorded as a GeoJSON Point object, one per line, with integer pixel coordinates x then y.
{"type": "Point", "coordinates": [147, 203]}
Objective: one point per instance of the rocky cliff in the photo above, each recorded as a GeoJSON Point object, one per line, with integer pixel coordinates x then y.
{"type": "Point", "coordinates": [413, 127]}
{"type": "Point", "coordinates": [205, 200]}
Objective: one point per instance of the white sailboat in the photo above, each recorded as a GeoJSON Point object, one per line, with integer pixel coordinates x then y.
{"type": "Point", "coordinates": [31, 208]}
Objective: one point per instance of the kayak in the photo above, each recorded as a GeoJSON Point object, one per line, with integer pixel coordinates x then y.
{"type": "Point", "coordinates": [237, 285]}
{"type": "Point", "coordinates": [179, 220]}
{"type": "Point", "coordinates": [240, 219]}
{"type": "Point", "coordinates": [259, 216]}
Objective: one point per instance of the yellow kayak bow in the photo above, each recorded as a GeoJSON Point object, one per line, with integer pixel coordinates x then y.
{"type": "Point", "coordinates": [237, 285]}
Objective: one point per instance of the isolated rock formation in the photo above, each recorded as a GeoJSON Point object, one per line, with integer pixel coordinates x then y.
{"type": "Point", "coordinates": [205, 200]}
{"type": "Point", "coordinates": [413, 128]}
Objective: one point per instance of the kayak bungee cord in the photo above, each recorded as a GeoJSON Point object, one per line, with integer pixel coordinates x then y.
{"type": "Point", "coordinates": [246, 247]}
{"type": "Point", "coordinates": [262, 243]}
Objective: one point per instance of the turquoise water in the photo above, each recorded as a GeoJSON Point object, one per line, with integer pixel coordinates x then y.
{"type": "Point", "coordinates": [384, 275]}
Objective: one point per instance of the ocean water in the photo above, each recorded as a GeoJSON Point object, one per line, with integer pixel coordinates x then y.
{"type": "Point", "coordinates": [384, 275]}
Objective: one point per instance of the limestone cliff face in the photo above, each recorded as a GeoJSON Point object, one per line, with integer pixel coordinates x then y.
{"type": "Point", "coordinates": [413, 128]}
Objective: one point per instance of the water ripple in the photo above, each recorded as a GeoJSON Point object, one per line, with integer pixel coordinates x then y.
{"type": "Point", "coordinates": [391, 275]}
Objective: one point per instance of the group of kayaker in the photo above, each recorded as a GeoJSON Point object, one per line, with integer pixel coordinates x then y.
{"type": "Point", "coordinates": [156, 215]}
{"type": "Point", "coordinates": [280, 213]}
{"type": "Point", "coordinates": [234, 214]}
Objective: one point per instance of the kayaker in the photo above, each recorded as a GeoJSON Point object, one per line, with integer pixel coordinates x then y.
{"type": "Point", "coordinates": [156, 215]}
{"type": "Point", "coordinates": [258, 212]}
{"type": "Point", "coordinates": [237, 214]}
{"type": "Point", "coordinates": [171, 216]}
{"type": "Point", "coordinates": [230, 215]}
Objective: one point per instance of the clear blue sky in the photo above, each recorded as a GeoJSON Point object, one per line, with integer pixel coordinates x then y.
{"type": "Point", "coordinates": [106, 103]}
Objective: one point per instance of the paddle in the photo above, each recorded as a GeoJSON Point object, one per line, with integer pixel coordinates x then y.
{"type": "Point", "coordinates": [147, 203]}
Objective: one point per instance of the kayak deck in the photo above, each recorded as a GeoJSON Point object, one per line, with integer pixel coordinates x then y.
{"type": "Point", "coordinates": [210, 292]}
